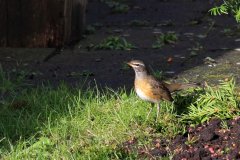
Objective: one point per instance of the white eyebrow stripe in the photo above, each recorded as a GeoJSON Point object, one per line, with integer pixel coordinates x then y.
{"type": "Point", "coordinates": [138, 64]}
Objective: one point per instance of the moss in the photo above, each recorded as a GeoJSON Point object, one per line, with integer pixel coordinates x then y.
{"type": "Point", "coordinates": [217, 76]}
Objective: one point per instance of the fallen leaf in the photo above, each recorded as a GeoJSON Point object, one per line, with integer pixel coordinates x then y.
{"type": "Point", "coordinates": [211, 150]}
{"type": "Point", "coordinates": [158, 140]}
{"type": "Point", "coordinates": [158, 145]}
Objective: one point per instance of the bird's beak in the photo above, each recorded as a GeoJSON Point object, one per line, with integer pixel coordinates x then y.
{"type": "Point", "coordinates": [129, 63]}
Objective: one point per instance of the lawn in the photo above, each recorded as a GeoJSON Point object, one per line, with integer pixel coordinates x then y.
{"type": "Point", "coordinates": [93, 123]}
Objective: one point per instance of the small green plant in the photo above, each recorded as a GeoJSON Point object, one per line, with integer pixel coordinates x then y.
{"type": "Point", "coordinates": [221, 103]}
{"type": "Point", "coordinates": [171, 153]}
{"type": "Point", "coordinates": [117, 7]}
{"type": "Point", "coordinates": [158, 74]}
{"type": "Point", "coordinates": [224, 125]}
{"type": "Point", "coordinates": [170, 38]}
{"type": "Point", "coordinates": [163, 39]}
{"type": "Point", "coordinates": [20, 72]}
{"type": "Point", "coordinates": [91, 45]}
{"type": "Point", "coordinates": [128, 46]}
{"type": "Point", "coordinates": [191, 141]}
{"type": "Point", "coordinates": [198, 47]}
{"type": "Point", "coordinates": [209, 60]}
{"type": "Point", "coordinates": [227, 150]}
{"type": "Point", "coordinates": [121, 8]}
{"type": "Point", "coordinates": [194, 22]}
{"type": "Point", "coordinates": [228, 6]}
{"type": "Point", "coordinates": [37, 73]}
{"type": "Point", "coordinates": [90, 29]}
{"type": "Point", "coordinates": [169, 23]}
{"type": "Point", "coordinates": [11, 84]}
{"type": "Point", "coordinates": [125, 67]}
{"type": "Point", "coordinates": [112, 42]}
{"type": "Point", "coordinates": [234, 31]}
{"type": "Point", "coordinates": [193, 53]}
{"type": "Point", "coordinates": [228, 32]}
{"type": "Point", "coordinates": [139, 23]}
{"type": "Point", "coordinates": [109, 31]}
{"type": "Point", "coordinates": [86, 73]}
{"type": "Point", "coordinates": [157, 44]}
{"type": "Point", "coordinates": [97, 25]}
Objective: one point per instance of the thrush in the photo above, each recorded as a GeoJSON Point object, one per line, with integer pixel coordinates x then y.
{"type": "Point", "coordinates": [152, 89]}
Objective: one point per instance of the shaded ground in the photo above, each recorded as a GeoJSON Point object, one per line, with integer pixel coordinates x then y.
{"type": "Point", "coordinates": [107, 65]}
{"type": "Point", "coordinates": [108, 69]}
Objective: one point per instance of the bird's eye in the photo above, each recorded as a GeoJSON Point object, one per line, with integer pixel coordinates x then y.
{"type": "Point", "coordinates": [137, 64]}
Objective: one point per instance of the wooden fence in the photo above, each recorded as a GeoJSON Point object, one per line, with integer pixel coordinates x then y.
{"type": "Point", "coordinates": [41, 23]}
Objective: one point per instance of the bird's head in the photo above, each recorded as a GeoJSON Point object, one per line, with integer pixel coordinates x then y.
{"type": "Point", "coordinates": [138, 66]}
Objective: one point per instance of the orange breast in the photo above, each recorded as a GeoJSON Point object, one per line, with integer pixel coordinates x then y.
{"type": "Point", "coordinates": [145, 87]}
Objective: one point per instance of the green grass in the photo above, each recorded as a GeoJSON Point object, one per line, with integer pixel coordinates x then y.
{"type": "Point", "coordinates": [10, 84]}
{"type": "Point", "coordinates": [92, 123]}
{"type": "Point", "coordinates": [72, 122]}
{"type": "Point", "coordinates": [84, 124]}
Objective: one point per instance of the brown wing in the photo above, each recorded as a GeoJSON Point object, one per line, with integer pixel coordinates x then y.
{"type": "Point", "coordinates": [159, 89]}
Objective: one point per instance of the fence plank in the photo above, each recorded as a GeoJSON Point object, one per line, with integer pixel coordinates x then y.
{"type": "Point", "coordinates": [42, 23]}
{"type": "Point", "coordinates": [3, 26]}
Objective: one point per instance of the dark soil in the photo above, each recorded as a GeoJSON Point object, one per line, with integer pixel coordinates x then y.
{"type": "Point", "coordinates": [210, 141]}
{"type": "Point", "coordinates": [107, 65]}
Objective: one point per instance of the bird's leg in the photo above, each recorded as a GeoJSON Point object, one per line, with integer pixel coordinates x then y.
{"type": "Point", "coordinates": [150, 110]}
{"type": "Point", "coordinates": [158, 111]}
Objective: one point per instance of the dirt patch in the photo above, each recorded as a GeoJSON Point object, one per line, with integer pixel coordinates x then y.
{"type": "Point", "coordinates": [213, 140]}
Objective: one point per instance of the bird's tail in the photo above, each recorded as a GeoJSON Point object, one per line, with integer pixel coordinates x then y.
{"type": "Point", "coordinates": [188, 85]}
{"type": "Point", "coordinates": [173, 88]}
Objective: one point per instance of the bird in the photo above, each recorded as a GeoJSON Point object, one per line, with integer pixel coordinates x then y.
{"type": "Point", "coordinates": [152, 89]}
